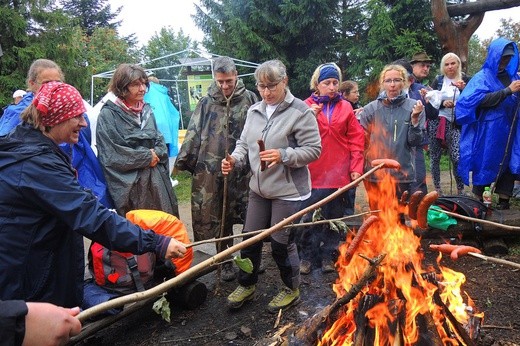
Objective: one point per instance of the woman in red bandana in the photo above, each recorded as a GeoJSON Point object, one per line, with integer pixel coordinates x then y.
{"type": "Point", "coordinates": [131, 149]}
{"type": "Point", "coordinates": [44, 214]}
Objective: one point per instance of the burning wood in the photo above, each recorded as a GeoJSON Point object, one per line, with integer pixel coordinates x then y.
{"type": "Point", "coordinates": [392, 302]}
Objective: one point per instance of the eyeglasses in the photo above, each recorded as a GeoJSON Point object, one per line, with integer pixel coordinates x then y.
{"type": "Point", "coordinates": [270, 87]}
{"type": "Point", "coordinates": [395, 81]}
{"type": "Point", "coordinates": [138, 84]}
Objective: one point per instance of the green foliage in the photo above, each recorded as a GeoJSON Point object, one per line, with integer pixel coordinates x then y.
{"type": "Point", "coordinates": [244, 264]}
{"type": "Point", "coordinates": [162, 307]}
{"type": "Point", "coordinates": [91, 14]}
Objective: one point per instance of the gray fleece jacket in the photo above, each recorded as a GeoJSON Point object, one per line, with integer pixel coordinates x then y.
{"type": "Point", "coordinates": [391, 135]}
{"type": "Point", "coordinates": [293, 130]}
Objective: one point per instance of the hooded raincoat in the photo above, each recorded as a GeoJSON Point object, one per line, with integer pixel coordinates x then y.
{"type": "Point", "coordinates": [202, 152]}
{"type": "Point", "coordinates": [44, 214]}
{"type": "Point", "coordinates": [166, 115]}
{"type": "Point", "coordinates": [485, 131]}
{"type": "Point", "coordinates": [125, 156]}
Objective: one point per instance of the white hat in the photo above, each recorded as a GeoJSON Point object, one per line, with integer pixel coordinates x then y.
{"type": "Point", "coordinates": [19, 93]}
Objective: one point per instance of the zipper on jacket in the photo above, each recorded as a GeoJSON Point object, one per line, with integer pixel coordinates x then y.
{"type": "Point", "coordinates": [395, 130]}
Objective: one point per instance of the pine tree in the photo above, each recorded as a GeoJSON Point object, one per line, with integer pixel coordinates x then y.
{"type": "Point", "coordinates": [91, 14]}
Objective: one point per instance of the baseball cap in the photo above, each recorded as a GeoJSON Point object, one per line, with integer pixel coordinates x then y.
{"type": "Point", "coordinates": [19, 93]}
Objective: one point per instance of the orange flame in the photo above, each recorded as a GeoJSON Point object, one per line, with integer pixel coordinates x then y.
{"type": "Point", "coordinates": [399, 285]}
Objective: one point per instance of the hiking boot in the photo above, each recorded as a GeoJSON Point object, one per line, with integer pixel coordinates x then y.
{"type": "Point", "coordinates": [305, 267]}
{"type": "Point", "coordinates": [228, 272]}
{"type": "Point", "coordinates": [240, 295]}
{"type": "Point", "coordinates": [285, 298]}
{"type": "Point", "coordinates": [327, 267]}
{"type": "Point", "coordinates": [502, 204]}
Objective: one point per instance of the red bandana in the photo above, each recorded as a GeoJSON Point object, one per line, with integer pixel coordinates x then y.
{"type": "Point", "coordinates": [58, 102]}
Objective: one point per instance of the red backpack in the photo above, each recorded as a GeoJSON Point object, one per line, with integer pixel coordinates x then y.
{"type": "Point", "coordinates": [127, 273]}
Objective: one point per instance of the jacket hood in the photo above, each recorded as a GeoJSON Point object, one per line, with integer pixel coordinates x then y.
{"type": "Point", "coordinates": [23, 143]}
{"type": "Point", "coordinates": [217, 96]}
{"type": "Point", "coordinates": [495, 50]}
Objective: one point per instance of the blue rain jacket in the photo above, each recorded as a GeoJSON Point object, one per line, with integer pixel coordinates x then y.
{"type": "Point", "coordinates": [90, 174]}
{"type": "Point", "coordinates": [166, 116]}
{"type": "Point", "coordinates": [485, 130]}
{"type": "Point", "coordinates": [11, 116]}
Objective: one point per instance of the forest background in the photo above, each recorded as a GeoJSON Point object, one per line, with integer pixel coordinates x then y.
{"type": "Point", "coordinates": [361, 36]}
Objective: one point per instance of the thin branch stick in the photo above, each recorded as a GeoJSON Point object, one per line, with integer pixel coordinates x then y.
{"type": "Point", "coordinates": [482, 221]}
{"type": "Point", "coordinates": [294, 225]}
{"type": "Point", "coordinates": [194, 271]}
{"type": "Point", "coordinates": [193, 337]}
{"type": "Point", "coordinates": [495, 260]}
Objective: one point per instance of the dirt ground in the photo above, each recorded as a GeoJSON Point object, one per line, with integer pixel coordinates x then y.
{"type": "Point", "coordinates": [494, 288]}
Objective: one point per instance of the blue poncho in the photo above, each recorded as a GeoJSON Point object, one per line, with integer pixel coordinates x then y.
{"type": "Point", "coordinates": [485, 130]}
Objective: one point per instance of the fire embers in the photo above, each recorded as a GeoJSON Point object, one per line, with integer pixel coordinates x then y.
{"type": "Point", "coordinates": [388, 296]}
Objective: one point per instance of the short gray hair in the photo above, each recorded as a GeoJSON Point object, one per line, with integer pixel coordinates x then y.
{"type": "Point", "coordinates": [224, 64]}
{"type": "Point", "coordinates": [271, 71]}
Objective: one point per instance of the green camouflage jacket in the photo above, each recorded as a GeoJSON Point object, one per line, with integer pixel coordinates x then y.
{"type": "Point", "coordinates": [201, 154]}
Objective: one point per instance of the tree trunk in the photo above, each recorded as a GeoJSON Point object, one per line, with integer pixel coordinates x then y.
{"type": "Point", "coordinates": [454, 35]}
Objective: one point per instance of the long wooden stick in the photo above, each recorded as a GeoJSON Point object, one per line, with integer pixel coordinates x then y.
{"type": "Point", "coordinates": [482, 221]}
{"type": "Point", "coordinates": [193, 271]}
{"type": "Point", "coordinates": [494, 260]}
{"type": "Point", "coordinates": [296, 225]}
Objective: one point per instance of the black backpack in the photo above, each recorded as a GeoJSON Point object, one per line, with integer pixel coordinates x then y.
{"type": "Point", "coordinates": [464, 205]}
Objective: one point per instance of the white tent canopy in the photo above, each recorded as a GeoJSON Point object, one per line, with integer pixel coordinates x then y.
{"type": "Point", "coordinates": [186, 60]}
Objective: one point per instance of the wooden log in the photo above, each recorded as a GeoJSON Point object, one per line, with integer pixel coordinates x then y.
{"type": "Point", "coordinates": [495, 246]}
{"type": "Point", "coordinates": [307, 334]}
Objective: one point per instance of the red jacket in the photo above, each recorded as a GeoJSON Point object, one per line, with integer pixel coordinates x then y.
{"type": "Point", "coordinates": [342, 143]}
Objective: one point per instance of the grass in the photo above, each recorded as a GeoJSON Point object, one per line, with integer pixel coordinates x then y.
{"type": "Point", "coordinates": [183, 190]}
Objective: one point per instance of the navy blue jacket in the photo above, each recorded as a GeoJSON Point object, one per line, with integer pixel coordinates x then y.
{"type": "Point", "coordinates": [44, 213]}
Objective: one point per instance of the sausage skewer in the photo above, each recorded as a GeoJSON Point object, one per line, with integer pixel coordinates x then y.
{"type": "Point", "coordinates": [263, 164]}
{"type": "Point", "coordinates": [460, 250]}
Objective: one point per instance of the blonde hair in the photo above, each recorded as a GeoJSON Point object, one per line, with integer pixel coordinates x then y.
{"type": "Point", "coordinates": [402, 71]}
{"type": "Point", "coordinates": [459, 68]}
{"type": "Point", "coordinates": [314, 79]}
{"type": "Point", "coordinates": [32, 116]}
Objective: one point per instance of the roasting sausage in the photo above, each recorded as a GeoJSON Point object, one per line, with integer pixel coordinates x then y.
{"type": "Point", "coordinates": [263, 164]}
{"type": "Point", "coordinates": [404, 197]}
{"type": "Point", "coordinates": [463, 250]}
{"type": "Point", "coordinates": [422, 209]}
{"type": "Point", "coordinates": [455, 250]}
{"type": "Point", "coordinates": [388, 163]}
{"type": "Point", "coordinates": [415, 199]}
{"type": "Point", "coordinates": [359, 235]}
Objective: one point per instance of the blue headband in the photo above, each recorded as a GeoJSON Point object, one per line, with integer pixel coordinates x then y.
{"type": "Point", "coordinates": [328, 71]}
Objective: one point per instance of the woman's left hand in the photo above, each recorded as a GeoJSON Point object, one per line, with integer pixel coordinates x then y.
{"type": "Point", "coordinates": [416, 111]}
{"type": "Point", "coordinates": [271, 157]}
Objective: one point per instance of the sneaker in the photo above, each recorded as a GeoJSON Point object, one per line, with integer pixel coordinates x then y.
{"type": "Point", "coordinates": [327, 267]}
{"type": "Point", "coordinates": [285, 298]}
{"type": "Point", "coordinates": [228, 272]}
{"type": "Point", "coordinates": [305, 267]}
{"type": "Point", "coordinates": [240, 295]}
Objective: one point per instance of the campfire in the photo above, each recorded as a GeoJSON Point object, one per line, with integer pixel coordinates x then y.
{"type": "Point", "coordinates": [387, 295]}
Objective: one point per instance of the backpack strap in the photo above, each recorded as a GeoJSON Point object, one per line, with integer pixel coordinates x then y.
{"type": "Point", "coordinates": [132, 265]}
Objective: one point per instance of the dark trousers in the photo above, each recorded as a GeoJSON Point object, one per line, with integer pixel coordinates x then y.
{"type": "Point", "coordinates": [262, 213]}
{"type": "Point", "coordinates": [504, 186]}
{"type": "Point", "coordinates": [320, 242]}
